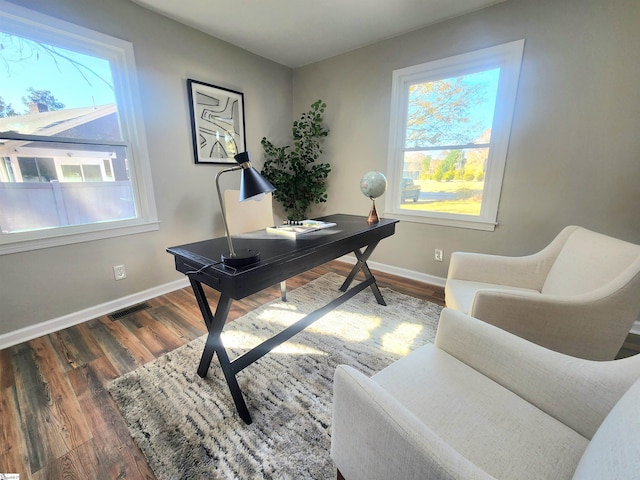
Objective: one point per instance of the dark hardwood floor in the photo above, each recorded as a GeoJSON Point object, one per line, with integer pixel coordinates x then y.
{"type": "Point", "coordinates": [57, 418]}
{"type": "Point", "coordinates": [630, 347]}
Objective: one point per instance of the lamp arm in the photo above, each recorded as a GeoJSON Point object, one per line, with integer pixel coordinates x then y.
{"type": "Point", "coordinates": [232, 252]}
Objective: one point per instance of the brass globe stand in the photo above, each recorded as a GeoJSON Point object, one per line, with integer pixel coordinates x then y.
{"type": "Point", "coordinates": [373, 219]}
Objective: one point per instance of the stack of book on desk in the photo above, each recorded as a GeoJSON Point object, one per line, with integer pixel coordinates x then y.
{"type": "Point", "coordinates": [295, 229]}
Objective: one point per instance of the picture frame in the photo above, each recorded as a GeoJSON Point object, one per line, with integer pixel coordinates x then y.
{"type": "Point", "coordinates": [217, 123]}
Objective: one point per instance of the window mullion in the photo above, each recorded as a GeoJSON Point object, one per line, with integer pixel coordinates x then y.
{"type": "Point", "coordinates": [447, 147]}
{"type": "Point", "coordinates": [46, 139]}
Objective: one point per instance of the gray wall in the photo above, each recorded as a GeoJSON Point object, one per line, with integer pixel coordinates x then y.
{"type": "Point", "coordinates": [574, 149]}
{"type": "Point", "coordinates": [46, 284]}
{"type": "Point", "coordinates": [573, 156]}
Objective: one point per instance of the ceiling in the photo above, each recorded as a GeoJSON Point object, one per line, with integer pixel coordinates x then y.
{"type": "Point", "coordinates": [299, 32]}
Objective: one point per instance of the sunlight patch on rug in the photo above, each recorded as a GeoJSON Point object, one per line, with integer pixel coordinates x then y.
{"type": "Point", "coordinates": [188, 427]}
{"type": "Point", "coordinates": [398, 340]}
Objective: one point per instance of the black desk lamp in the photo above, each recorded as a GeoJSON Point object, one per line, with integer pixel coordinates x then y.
{"type": "Point", "coordinates": [252, 184]}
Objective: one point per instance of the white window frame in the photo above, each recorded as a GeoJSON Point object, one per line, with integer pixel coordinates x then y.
{"type": "Point", "coordinates": [34, 25]}
{"type": "Point", "coordinates": [508, 58]}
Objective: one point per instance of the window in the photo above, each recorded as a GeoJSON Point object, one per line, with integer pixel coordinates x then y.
{"type": "Point", "coordinates": [450, 126]}
{"type": "Point", "coordinates": [73, 157]}
{"type": "Point", "coordinates": [36, 169]}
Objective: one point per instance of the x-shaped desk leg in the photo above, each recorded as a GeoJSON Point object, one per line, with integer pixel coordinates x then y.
{"type": "Point", "coordinates": [215, 324]}
{"type": "Point", "coordinates": [361, 264]}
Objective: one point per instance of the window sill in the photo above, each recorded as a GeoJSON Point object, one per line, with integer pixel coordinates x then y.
{"type": "Point", "coordinates": [70, 238]}
{"type": "Point", "coordinates": [446, 222]}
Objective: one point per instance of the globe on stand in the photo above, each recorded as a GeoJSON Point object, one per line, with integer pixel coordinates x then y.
{"type": "Point", "coordinates": [373, 184]}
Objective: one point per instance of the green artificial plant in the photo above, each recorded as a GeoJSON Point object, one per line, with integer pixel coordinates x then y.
{"type": "Point", "coordinates": [299, 181]}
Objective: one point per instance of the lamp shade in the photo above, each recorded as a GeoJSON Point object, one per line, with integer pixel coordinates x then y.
{"type": "Point", "coordinates": [251, 182]}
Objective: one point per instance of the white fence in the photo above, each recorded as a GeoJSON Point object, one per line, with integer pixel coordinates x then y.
{"type": "Point", "coordinates": [34, 206]}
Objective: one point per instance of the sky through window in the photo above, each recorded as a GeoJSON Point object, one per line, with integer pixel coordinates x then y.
{"type": "Point", "coordinates": [74, 79]}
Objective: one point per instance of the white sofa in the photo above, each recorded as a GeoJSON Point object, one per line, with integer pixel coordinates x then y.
{"type": "Point", "coordinates": [580, 295]}
{"type": "Point", "coordinates": [485, 404]}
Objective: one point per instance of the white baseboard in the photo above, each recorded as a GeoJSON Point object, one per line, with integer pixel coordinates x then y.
{"type": "Point", "coordinates": [33, 331]}
{"type": "Point", "coordinates": [401, 272]}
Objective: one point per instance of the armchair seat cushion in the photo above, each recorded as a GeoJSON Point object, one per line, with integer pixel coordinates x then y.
{"type": "Point", "coordinates": [489, 425]}
{"type": "Point", "coordinates": [460, 294]}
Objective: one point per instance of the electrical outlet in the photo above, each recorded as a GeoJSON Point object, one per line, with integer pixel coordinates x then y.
{"type": "Point", "coordinates": [119, 272]}
{"type": "Point", "coordinates": [438, 255]}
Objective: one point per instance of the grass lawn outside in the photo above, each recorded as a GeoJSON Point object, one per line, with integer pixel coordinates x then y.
{"type": "Point", "coordinates": [456, 196]}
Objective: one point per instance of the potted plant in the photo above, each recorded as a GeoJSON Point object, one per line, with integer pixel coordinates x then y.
{"type": "Point", "coordinates": [299, 181]}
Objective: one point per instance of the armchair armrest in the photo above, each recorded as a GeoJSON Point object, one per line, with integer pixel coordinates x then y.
{"type": "Point", "coordinates": [572, 325]}
{"type": "Point", "coordinates": [579, 393]}
{"type": "Point", "coordinates": [374, 437]}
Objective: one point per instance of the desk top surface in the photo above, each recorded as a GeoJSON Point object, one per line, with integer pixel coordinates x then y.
{"type": "Point", "coordinates": [277, 249]}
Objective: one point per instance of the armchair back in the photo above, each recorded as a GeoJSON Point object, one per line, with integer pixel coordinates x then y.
{"type": "Point", "coordinates": [589, 260]}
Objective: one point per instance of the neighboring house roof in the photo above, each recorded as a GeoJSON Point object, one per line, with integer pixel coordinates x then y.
{"type": "Point", "coordinates": [54, 122]}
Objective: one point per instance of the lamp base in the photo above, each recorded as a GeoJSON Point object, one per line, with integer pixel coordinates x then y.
{"type": "Point", "coordinates": [243, 257]}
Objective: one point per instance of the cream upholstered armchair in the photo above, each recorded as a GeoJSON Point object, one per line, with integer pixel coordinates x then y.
{"type": "Point", "coordinates": [580, 295]}
{"type": "Point", "coordinates": [485, 404]}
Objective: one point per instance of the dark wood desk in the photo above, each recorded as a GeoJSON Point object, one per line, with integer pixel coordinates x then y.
{"type": "Point", "coordinates": [280, 258]}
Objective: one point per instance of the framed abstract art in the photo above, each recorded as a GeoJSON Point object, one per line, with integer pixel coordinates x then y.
{"type": "Point", "coordinates": [217, 122]}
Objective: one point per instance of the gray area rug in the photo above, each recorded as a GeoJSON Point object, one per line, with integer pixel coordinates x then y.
{"type": "Point", "coordinates": [188, 427]}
